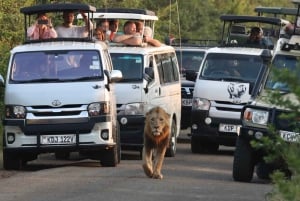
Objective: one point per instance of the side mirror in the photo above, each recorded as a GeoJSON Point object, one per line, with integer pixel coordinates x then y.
{"type": "Point", "coordinates": [191, 75]}
{"type": "Point", "coordinates": [149, 74]}
{"type": "Point", "coordinates": [115, 75]}
{"type": "Point", "coordinates": [148, 77]}
{"type": "Point", "coordinates": [2, 82]}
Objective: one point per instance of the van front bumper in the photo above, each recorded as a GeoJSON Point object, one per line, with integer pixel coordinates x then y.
{"type": "Point", "coordinates": [204, 127]}
{"type": "Point", "coordinates": [132, 131]}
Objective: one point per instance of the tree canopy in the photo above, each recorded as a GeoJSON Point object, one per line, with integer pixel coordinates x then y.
{"type": "Point", "coordinates": [184, 19]}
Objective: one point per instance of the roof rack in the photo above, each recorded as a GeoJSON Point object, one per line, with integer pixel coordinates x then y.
{"type": "Point", "coordinates": [237, 39]}
{"type": "Point", "coordinates": [184, 42]}
{"type": "Point", "coordinates": [60, 7]}
{"type": "Point", "coordinates": [54, 8]}
{"type": "Point", "coordinates": [125, 13]}
{"type": "Point", "coordinates": [249, 18]}
{"type": "Point", "coordinates": [275, 10]}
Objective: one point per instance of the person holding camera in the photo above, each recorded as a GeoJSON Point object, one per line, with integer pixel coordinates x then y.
{"type": "Point", "coordinates": [41, 29]}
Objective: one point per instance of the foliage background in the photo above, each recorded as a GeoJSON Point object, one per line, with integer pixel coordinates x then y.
{"type": "Point", "coordinates": [196, 19]}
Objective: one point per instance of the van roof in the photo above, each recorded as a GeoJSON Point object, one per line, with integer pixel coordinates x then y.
{"type": "Point", "coordinates": [237, 50]}
{"type": "Point", "coordinates": [59, 45]}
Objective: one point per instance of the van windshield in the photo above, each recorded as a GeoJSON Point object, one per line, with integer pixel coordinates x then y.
{"type": "Point", "coordinates": [189, 60]}
{"type": "Point", "coordinates": [47, 66]}
{"type": "Point", "coordinates": [232, 67]}
{"type": "Point", "coordinates": [131, 66]}
{"type": "Point", "coordinates": [283, 62]}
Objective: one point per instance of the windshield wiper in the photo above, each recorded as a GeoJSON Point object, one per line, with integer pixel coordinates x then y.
{"type": "Point", "coordinates": [81, 78]}
{"type": "Point", "coordinates": [236, 79]}
{"type": "Point", "coordinates": [39, 80]}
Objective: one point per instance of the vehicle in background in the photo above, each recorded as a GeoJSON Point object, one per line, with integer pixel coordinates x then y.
{"type": "Point", "coordinates": [230, 76]}
{"type": "Point", "coordinates": [59, 97]}
{"type": "Point", "coordinates": [260, 114]}
{"type": "Point", "coordinates": [151, 78]}
{"type": "Point", "coordinates": [190, 54]}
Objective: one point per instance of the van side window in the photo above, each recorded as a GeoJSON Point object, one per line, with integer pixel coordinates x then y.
{"type": "Point", "coordinates": [167, 67]}
{"type": "Point", "coordinates": [131, 66]}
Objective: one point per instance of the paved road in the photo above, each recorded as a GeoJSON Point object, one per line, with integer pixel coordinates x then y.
{"type": "Point", "coordinates": [186, 177]}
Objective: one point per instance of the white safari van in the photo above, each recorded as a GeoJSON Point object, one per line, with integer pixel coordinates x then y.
{"type": "Point", "coordinates": [59, 97]}
{"type": "Point", "coordinates": [230, 76]}
{"type": "Point", "coordinates": [150, 78]}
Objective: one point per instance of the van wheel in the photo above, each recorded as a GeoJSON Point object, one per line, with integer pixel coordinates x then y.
{"type": "Point", "coordinates": [109, 157]}
{"type": "Point", "coordinates": [118, 141]}
{"type": "Point", "coordinates": [171, 150]}
{"type": "Point", "coordinates": [62, 155]}
{"type": "Point", "coordinates": [243, 161]}
{"type": "Point", "coordinates": [11, 161]}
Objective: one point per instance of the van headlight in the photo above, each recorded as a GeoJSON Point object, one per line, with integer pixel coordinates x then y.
{"type": "Point", "coordinates": [96, 109]}
{"type": "Point", "coordinates": [15, 112]}
{"type": "Point", "coordinates": [200, 104]}
{"type": "Point", "coordinates": [256, 117]}
{"type": "Point", "coordinates": [134, 109]}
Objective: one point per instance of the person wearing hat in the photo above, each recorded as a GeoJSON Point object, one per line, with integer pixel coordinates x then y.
{"type": "Point", "coordinates": [256, 37]}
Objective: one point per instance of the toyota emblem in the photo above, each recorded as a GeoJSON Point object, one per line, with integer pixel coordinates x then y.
{"type": "Point", "coordinates": [56, 103]}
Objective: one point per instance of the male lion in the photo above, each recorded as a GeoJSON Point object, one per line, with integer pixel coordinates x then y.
{"type": "Point", "coordinates": [156, 141]}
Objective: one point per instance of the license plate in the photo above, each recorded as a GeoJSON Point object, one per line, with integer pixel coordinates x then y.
{"type": "Point", "coordinates": [228, 128]}
{"type": "Point", "coordinates": [290, 136]}
{"type": "Point", "coordinates": [58, 139]}
{"type": "Point", "coordinates": [186, 102]}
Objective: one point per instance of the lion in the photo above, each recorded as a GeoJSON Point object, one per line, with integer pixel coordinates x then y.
{"type": "Point", "coordinates": [156, 141]}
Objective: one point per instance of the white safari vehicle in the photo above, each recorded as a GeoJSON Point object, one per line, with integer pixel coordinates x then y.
{"type": "Point", "coordinates": [259, 115]}
{"type": "Point", "coordinates": [150, 78]}
{"type": "Point", "coordinates": [230, 76]}
{"type": "Point", "coordinates": [59, 97]}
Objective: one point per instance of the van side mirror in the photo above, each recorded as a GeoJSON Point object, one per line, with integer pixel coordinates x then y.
{"type": "Point", "coordinates": [148, 77]}
{"type": "Point", "coordinates": [191, 75]}
{"type": "Point", "coordinates": [2, 82]}
{"type": "Point", "coordinates": [149, 74]}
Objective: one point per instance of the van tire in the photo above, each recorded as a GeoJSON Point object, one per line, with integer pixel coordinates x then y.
{"type": "Point", "coordinates": [171, 150]}
{"type": "Point", "coordinates": [243, 161]}
{"type": "Point", "coordinates": [11, 161]}
{"type": "Point", "coordinates": [111, 157]}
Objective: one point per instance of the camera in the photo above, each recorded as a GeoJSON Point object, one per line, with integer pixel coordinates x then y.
{"type": "Point", "coordinates": [43, 22]}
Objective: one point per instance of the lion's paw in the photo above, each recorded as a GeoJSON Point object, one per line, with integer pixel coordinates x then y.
{"type": "Point", "coordinates": [148, 171]}
{"type": "Point", "coordinates": [157, 176]}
